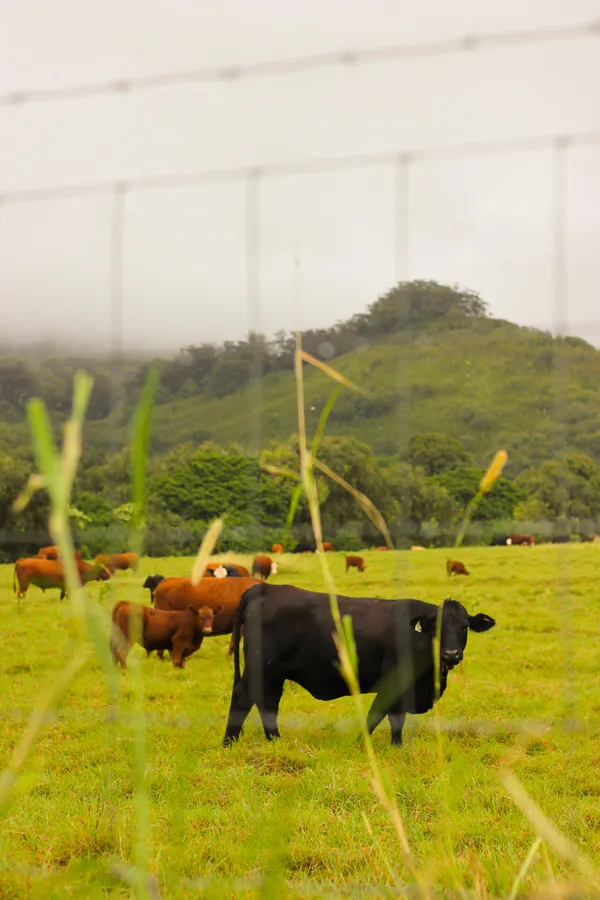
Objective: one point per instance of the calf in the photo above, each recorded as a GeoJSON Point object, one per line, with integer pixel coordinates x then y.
{"type": "Point", "coordinates": [263, 566]}
{"type": "Point", "coordinates": [222, 595]}
{"type": "Point", "coordinates": [454, 567]}
{"type": "Point", "coordinates": [180, 631]}
{"type": "Point", "coordinates": [277, 548]}
{"type": "Point", "coordinates": [355, 561]}
{"type": "Point", "coordinates": [49, 573]}
{"type": "Point", "coordinates": [328, 547]}
{"type": "Point", "coordinates": [288, 635]}
{"type": "Point", "coordinates": [382, 548]}
{"type": "Point", "coordinates": [122, 561]}
{"type": "Point", "coordinates": [500, 541]}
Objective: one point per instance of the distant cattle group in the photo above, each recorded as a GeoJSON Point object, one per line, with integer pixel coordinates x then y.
{"type": "Point", "coordinates": [286, 630]}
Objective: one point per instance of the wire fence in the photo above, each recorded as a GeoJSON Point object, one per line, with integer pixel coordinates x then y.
{"type": "Point", "coordinates": [401, 163]}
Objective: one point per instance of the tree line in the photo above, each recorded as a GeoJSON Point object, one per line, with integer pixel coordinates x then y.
{"type": "Point", "coordinates": [421, 493]}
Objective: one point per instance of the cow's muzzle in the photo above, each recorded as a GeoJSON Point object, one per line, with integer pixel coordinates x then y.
{"type": "Point", "coordinates": [207, 629]}
{"type": "Point", "coordinates": [450, 658]}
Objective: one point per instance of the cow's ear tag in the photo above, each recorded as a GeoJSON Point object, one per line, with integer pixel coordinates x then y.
{"type": "Point", "coordinates": [418, 627]}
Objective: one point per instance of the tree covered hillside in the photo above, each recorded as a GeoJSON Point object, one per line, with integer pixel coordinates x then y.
{"type": "Point", "coordinates": [428, 354]}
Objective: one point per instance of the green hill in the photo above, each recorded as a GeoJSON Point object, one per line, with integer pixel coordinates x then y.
{"type": "Point", "coordinates": [429, 357]}
{"type": "Point", "coordinates": [489, 384]}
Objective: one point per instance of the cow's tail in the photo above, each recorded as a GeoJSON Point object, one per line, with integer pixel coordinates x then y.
{"type": "Point", "coordinates": [238, 621]}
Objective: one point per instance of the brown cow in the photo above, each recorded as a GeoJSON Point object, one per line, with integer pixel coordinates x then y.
{"type": "Point", "coordinates": [276, 548]}
{"type": "Point", "coordinates": [328, 547]}
{"type": "Point", "coordinates": [181, 631]}
{"type": "Point", "coordinates": [54, 553]}
{"type": "Point", "coordinates": [48, 573]}
{"type": "Point", "coordinates": [381, 548]}
{"type": "Point", "coordinates": [222, 595]}
{"type": "Point", "coordinates": [241, 569]}
{"type": "Point", "coordinates": [454, 567]}
{"type": "Point", "coordinates": [263, 566]}
{"type": "Point", "coordinates": [355, 561]}
{"type": "Point", "coordinates": [114, 561]}
{"type": "Point", "coordinates": [517, 539]}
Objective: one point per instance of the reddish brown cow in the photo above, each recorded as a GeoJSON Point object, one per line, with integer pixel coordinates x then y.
{"type": "Point", "coordinates": [241, 569]}
{"type": "Point", "coordinates": [277, 548]}
{"type": "Point", "coordinates": [356, 562]}
{"type": "Point", "coordinates": [328, 547]}
{"type": "Point", "coordinates": [54, 553]}
{"type": "Point", "coordinates": [454, 567]}
{"type": "Point", "coordinates": [517, 539]}
{"type": "Point", "coordinates": [381, 548]}
{"type": "Point", "coordinates": [263, 566]}
{"type": "Point", "coordinates": [222, 595]}
{"type": "Point", "coordinates": [114, 561]}
{"type": "Point", "coordinates": [48, 573]}
{"type": "Point", "coordinates": [181, 631]}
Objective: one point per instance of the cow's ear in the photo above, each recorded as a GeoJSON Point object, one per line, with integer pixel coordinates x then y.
{"type": "Point", "coordinates": [481, 622]}
{"type": "Point", "coordinates": [194, 610]}
{"type": "Point", "coordinates": [217, 610]}
{"type": "Point", "coordinates": [425, 624]}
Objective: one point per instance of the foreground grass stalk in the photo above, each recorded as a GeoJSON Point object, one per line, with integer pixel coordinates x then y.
{"type": "Point", "coordinates": [561, 845]}
{"type": "Point", "coordinates": [525, 868]}
{"type": "Point", "coordinates": [493, 473]}
{"type": "Point", "coordinates": [57, 474]}
{"type": "Point", "coordinates": [140, 440]}
{"type": "Point", "coordinates": [343, 632]}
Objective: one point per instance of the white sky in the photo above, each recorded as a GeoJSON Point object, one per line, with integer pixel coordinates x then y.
{"type": "Point", "coordinates": [485, 224]}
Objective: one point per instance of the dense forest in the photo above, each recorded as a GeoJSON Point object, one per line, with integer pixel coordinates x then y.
{"type": "Point", "coordinates": [447, 386]}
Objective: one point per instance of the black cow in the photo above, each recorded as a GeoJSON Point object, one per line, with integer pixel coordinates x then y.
{"type": "Point", "coordinates": [288, 636]}
{"type": "Point", "coordinates": [305, 547]}
{"type": "Point", "coordinates": [152, 582]}
{"type": "Point", "coordinates": [499, 541]}
{"type": "Point", "coordinates": [561, 539]}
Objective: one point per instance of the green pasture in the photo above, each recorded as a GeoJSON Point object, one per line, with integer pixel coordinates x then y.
{"type": "Point", "coordinates": [299, 817]}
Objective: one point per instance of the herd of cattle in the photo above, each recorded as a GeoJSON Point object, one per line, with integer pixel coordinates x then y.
{"type": "Point", "coordinates": [287, 632]}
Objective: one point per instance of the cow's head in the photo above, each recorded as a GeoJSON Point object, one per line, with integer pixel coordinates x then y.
{"type": "Point", "coordinates": [151, 583]}
{"type": "Point", "coordinates": [102, 573]}
{"type": "Point", "coordinates": [205, 617]}
{"type": "Point", "coordinates": [456, 623]}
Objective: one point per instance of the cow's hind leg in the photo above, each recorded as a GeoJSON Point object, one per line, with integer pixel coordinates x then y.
{"type": "Point", "coordinates": [238, 712]}
{"type": "Point", "coordinates": [376, 714]}
{"type": "Point", "coordinates": [268, 708]}
{"type": "Point", "coordinates": [397, 717]}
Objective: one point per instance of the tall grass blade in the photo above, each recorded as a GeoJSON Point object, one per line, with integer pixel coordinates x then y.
{"type": "Point", "coordinates": [548, 832]}
{"type": "Point", "coordinates": [205, 549]}
{"type": "Point", "coordinates": [140, 440]}
{"type": "Point", "coordinates": [343, 635]}
{"type": "Point", "coordinates": [524, 868]}
{"type": "Point", "coordinates": [323, 422]}
{"type": "Point", "coordinates": [333, 373]}
{"type": "Point", "coordinates": [367, 506]}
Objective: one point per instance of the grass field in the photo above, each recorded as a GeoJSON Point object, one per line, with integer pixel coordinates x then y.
{"type": "Point", "coordinates": [527, 698]}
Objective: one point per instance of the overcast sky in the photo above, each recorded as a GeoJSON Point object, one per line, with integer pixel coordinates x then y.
{"type": "Point", "coordinates": [486, 224]}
